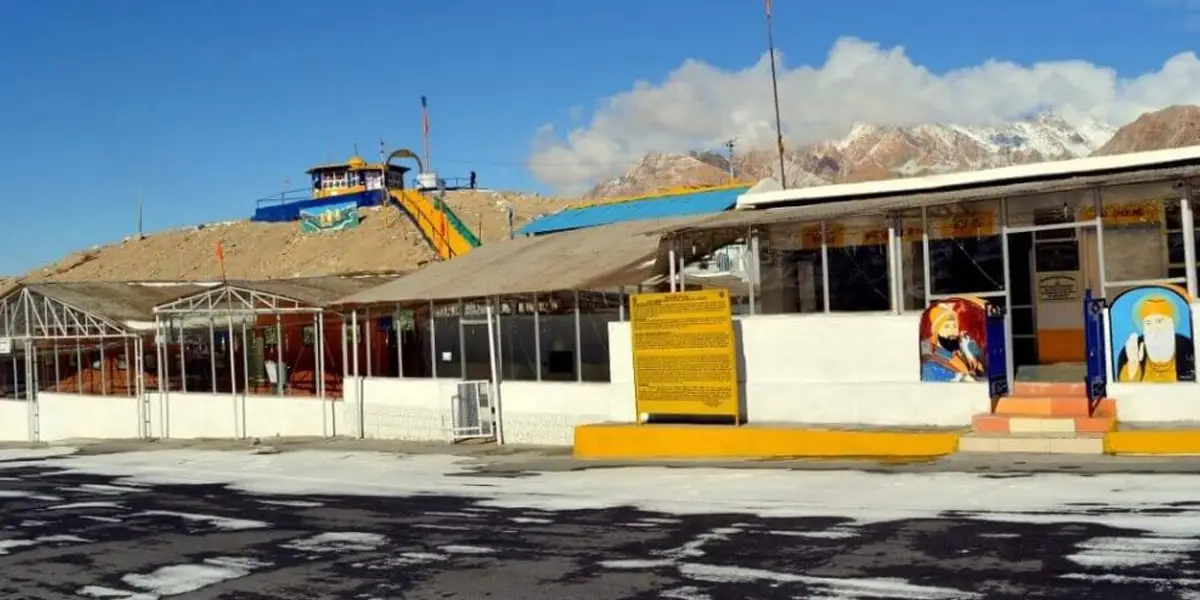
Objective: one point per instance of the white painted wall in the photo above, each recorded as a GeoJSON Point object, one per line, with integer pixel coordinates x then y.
{"type": "Point", "coordinates": [14, 421]}
{"type": "Point", "coordinates": [838, 368]}
{"type": "Point", "coordinates": [80, 416]}
{"type": "Point", "coordinates": [403, 409]}
{"type": "Point", "coordinates": [198, 415]}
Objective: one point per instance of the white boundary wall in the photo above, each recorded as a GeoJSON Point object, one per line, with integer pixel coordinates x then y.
{"type": "Point", "coordinates": [821, 369]}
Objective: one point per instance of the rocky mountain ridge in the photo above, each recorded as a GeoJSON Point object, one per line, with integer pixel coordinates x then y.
{"type": "Point", "coordinates": [871, 152]}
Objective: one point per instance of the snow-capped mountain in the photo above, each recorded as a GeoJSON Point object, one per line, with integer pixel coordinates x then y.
{"type": "Point", "coordinates": [870, 152]}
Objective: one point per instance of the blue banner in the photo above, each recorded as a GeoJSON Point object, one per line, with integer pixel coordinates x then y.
{"type": "Point", "coordinates": [997, 352]}
{"type": "Point", "coordinates": [1093, 335]}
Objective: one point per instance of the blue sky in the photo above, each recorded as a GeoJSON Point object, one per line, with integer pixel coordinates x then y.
{"type": "Point", "coordinates": [199, 108]}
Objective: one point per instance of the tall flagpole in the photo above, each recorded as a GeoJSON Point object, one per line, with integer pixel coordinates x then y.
{"type": "Point", "coordinates": [425, 132]}
{"type": "Point", "coordinates": [775, 90]}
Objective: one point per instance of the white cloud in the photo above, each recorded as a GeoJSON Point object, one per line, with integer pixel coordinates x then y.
{"type": "Point", "coordinates": [699, 106]}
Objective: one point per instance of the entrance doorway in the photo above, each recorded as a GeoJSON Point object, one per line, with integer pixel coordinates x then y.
{"type": "Point", "coordinates": [1052, 264]}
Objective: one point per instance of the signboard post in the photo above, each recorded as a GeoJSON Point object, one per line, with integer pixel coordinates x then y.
{"type": "Point", "coordinates": [684, 354]}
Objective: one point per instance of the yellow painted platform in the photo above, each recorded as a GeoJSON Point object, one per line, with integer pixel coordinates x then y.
{"type": "Point", "coordinates": [625, 441]}
{"type": "Point", "coordinates": [1165, 441]}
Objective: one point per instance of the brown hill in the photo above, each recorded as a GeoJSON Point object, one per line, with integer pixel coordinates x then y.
{"type": "Point", "coordinates": [385, 241]}
{"type": "Point", "coordinates": [1174, 127]}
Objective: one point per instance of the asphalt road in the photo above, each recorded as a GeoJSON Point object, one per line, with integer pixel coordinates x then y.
{"type": "Point", "coordinates": [66, 535]}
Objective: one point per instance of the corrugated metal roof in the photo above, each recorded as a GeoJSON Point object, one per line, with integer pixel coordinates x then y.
{"type": "Point", "coordinates": [119, 302]}
{"type": "Point", "coordinates": [316, 291]}
{"type": "Point", "coordinates": [594, 258]}
{"type": "Point", "coordinates": [907, 200]}
{"type": "Point", "coordinates": [685, 205]}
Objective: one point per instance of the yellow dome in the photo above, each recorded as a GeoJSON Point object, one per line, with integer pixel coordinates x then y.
{"type": "Point", "coordinates": [356, 161]}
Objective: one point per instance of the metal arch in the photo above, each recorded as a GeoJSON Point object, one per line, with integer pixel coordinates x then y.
{"type": "Point", "coordinates": [404, 153]}
{"type": "Point", "coordinates": [29, 315]}
{"type": "Point", "coordinates": [230, 299]}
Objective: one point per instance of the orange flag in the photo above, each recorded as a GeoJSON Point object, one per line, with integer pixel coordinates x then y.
{"type": "Point", "coordinates": [220, 254]}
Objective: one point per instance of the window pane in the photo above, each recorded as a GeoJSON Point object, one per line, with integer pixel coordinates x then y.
{"type": "Point", "coordinates": [857, 259]}
{"type": "Point", "coordinates": [416, 353]}
{"type": "Point", "coordinates": [596, 311]}
{"type": "Point", "coordinates": [790, 269]}
{"type": "Point", "coordinates": [1136, 246]}
{"type": "Point", "coordinates": [477, 355]}
{"type": "Point", "coordinates": [719, 260]}
{"type": "Point", "coordinates": [518, 345]}
{"type": "Point", "coordinates": [556, 320]}
{"type": "Point", "coordinates": [446, 336]}
{"type": "Point", "coordinates": [965, 249]}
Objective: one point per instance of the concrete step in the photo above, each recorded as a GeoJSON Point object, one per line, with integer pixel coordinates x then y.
{"type": "Point", "coordinates": [1032, 443]}
{"type": "Point", "coordinates": [988, 423]}
{"type": "Point", "coordinates": [1054, 406]}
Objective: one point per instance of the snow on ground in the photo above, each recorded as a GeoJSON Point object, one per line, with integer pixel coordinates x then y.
{"type": "Point", "coordinates": [864, 497]}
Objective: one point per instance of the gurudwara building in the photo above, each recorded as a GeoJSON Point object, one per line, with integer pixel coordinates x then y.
{"type": "Point", "coordinates": [920, 302]}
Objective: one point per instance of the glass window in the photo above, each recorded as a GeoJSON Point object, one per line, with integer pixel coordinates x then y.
{"type": "Point", "coordinates": [857, 259]}
{"type": "Point", "coordinates": [596, 311]}
{"type": "Point", "coordinates": [721, 260]}
{"type": "Point", "coordinates": [476, 353]}
{"type": "Point", "coordinates": [1142, 238]}
{"type": "Point", "coordinates": [965, 249]}
{"type": "Point", "coordinates": [416, 354]}
{"type": "Point", "coordinates": [518, 343]}
{"type": "Point", "coordinates": [556, 320]}
{"type": "Point", "coordinates": [446, 319]}
{"type": "Point", "coordinates": [790, 269]}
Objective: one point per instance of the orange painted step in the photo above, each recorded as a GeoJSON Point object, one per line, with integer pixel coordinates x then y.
{"type": "Point", "coordinates": [1035, 424]}
{"type": "Point", "coordinates": [1054, 406]}
{"type": "Point", "coordinates": [1049, 388]}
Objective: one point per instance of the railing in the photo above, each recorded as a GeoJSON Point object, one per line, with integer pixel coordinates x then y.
{"type": "Point", "coordinates": [434, 236]}
{"type": "Point", "coordinates": [285, 197]}
{"type": "Point", "coordinates": [450, 183]}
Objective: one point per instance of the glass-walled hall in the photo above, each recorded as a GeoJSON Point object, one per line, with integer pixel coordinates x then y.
{"type": "Point", "coordinates": [544, 336]}
{"type": "Point", "coordinates": [1035, 254]}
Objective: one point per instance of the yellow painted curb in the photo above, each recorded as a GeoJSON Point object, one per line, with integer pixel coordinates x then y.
{"type": "Point", "coordinates": [631, 441]}
{"type": "Point", "coordinates": [1177, 441]}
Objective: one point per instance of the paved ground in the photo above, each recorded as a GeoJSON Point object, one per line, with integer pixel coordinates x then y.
{"type": "Point", "coordinates": [497, 530]}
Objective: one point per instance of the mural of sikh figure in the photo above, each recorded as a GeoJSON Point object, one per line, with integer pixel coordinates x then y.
{"type": "Point", "coordinates": [1155, 351]}
{"type": "Point", "coordinates": [949, 352]}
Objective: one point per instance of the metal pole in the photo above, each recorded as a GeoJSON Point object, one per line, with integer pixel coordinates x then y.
{"type": "Point", "coordinates": [78, 367]}
{"type": "Point", "coordinates": [368, 350]}
{"type": "Point", "coordinates": [103, 371]}
{"type": "Point", "coordinates": [825, 264]}
{"type": "Point", "coordinates": [233, 386]}
{"type": "Point", "coordinates": [578, 341]}
{"type": "Point", "coordinates": [281, 369]}
{"type": "Point", "coordinates": [893, 274]}
{"type": "Point", "coordinates": [751, 280]}
{"type": "Point", "coordinates": [433, 357]}
{"type": "Point", "coordinates": [462, 341]}
{"type": "Point", "coordinates": [497, 404]}
{"type": "Point", "coordinates": [775, 92]}
{"type": "Point", "coordinates": [358, 399]}
{"type": "Point", "coordinates": [928, 268]}
{"type": "Point", "coordinates": [621, 303]}
{"type": "Point", "coordinates": [329, 424]}
{"type": "Point", "coordinates": [212, 355]}
{"type": "Point", "coordinates": [671, 265]}
{"type": "Point", "coordinates": [537, 336]}
{"type": "Point", "coordinates": [128, 368]}
{"type": "Point", "coordinates": [399, 342]}
{"type": "Point", "coordinates": [164, 425]}
{"type": "Point", "coordinates": [56, 372]}
{"type": "Point", "coordinates": [182, 358]}
{"type": "Point", "coordinates": [1010, 364]}
{"type": "Point", "coordinates": [246, 372]}
{"type": "Point", "coordinates": [1188, 224]}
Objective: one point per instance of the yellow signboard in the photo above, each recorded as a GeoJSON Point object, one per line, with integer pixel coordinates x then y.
{"type": "Point", "coordinates": [684, 354]}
